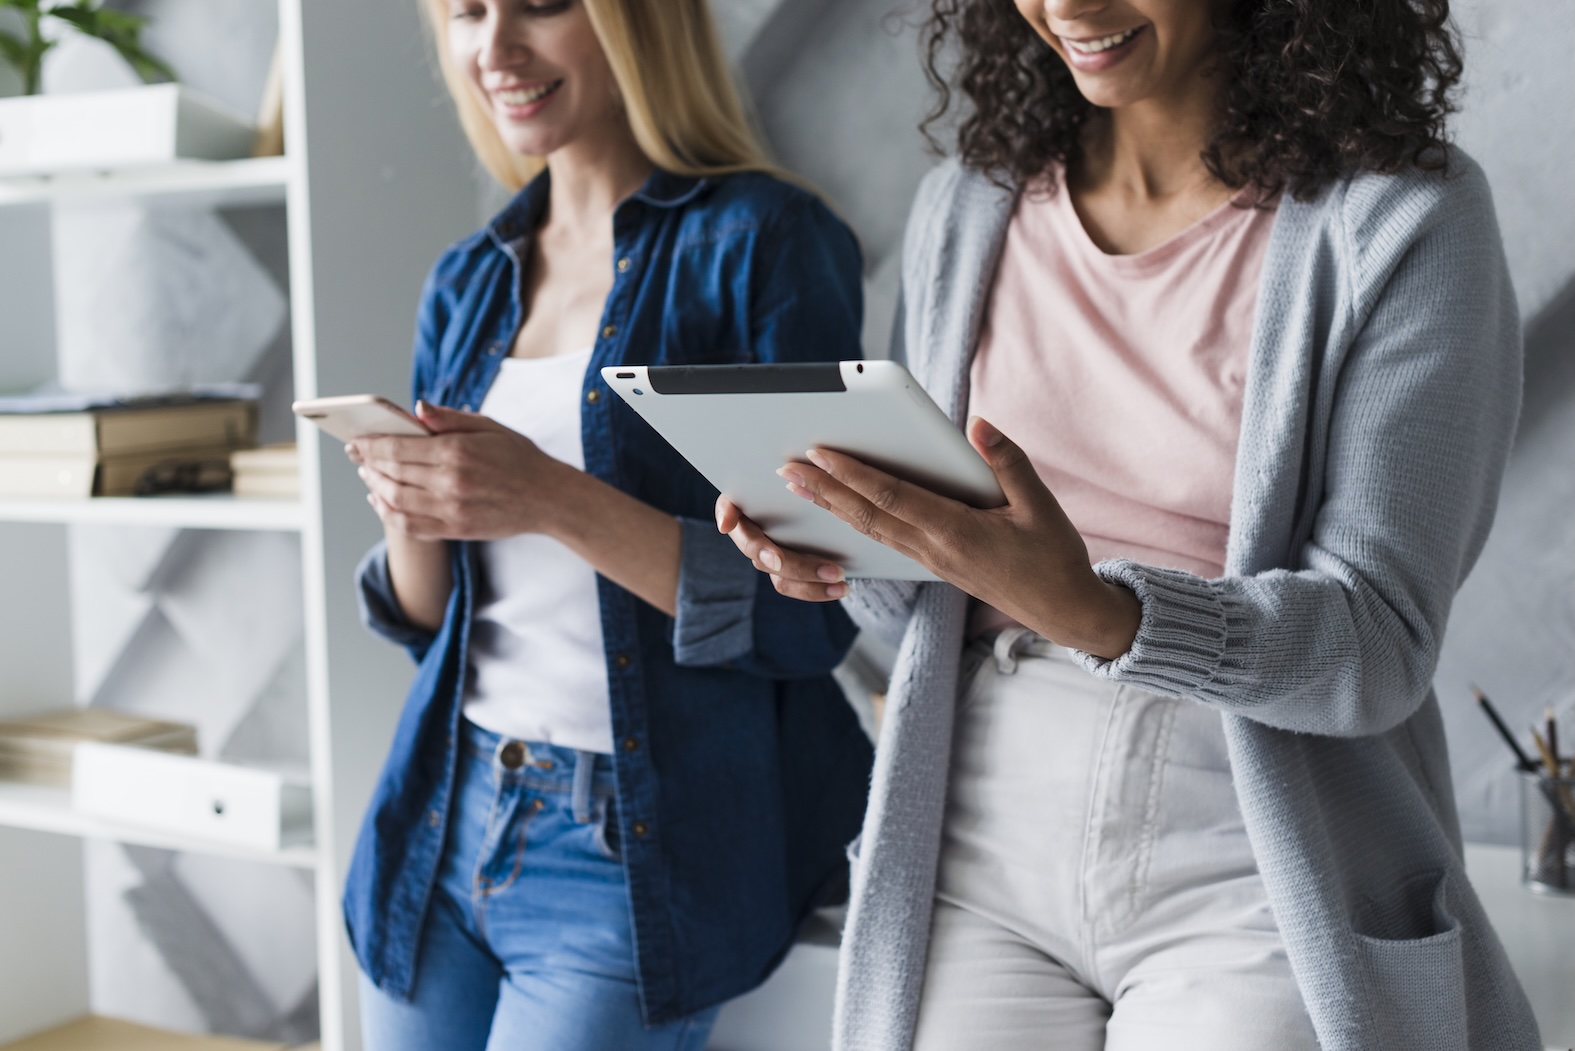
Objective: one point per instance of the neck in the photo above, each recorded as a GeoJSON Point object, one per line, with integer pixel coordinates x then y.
{"type": "Point", "coordinates": [1151, 150]}
{"type": "Point", "coordinates": [591, 175]}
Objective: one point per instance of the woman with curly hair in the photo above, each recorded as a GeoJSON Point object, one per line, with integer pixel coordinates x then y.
{"type": "Point", "coordinates": [1162, 765]}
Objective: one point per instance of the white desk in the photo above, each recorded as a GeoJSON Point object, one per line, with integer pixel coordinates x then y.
{"type": "Point", "coordinates": [1538, 931]}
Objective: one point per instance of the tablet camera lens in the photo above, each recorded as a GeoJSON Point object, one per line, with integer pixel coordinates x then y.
{"type": "Point", "coordinates": [861, 368]}
{"type": "Point", "coordinates": [637, 390]}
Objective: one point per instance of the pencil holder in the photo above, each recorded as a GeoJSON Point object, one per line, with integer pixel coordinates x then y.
{"type": "Point", "coordinates": [1547, 833]}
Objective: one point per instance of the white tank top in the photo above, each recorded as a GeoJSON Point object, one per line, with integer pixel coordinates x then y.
{"type": "Point", "coordinates": [536, 666]}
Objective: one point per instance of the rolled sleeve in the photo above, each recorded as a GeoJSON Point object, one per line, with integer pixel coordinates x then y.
{"type": "Point", "coordinates": [380, 610]}
{"type": "Point", "coordinates": [717, 585]}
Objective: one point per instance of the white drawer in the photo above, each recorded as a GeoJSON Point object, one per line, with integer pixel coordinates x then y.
{"type": "Point", "coordinates": [217, 801]}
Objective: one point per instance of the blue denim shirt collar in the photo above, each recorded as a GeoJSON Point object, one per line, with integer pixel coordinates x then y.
{"type": "Point", "coordinates": [661, 189]}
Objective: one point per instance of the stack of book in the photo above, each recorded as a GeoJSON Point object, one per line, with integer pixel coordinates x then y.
{"type": "Point", "coordinates": [269, 471]}
{"type": "Point", "coordinates": [63, 446]}
{"type": "Point", "coordinates": [38, 748]}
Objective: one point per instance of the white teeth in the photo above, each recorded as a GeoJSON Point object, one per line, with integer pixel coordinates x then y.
{"type": "Point", "coordinates": [1094, 47]}
{"type": "Point", "coordinates": [525, 96]}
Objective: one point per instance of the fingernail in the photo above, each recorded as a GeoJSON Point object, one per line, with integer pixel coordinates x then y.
{"type": "Point", "coordinates": [818, 460]}
{"type": "Point", "coordinates": [836, 591]}
{"type": "Point", "coordinates": [771, 561]}
{"type": "Point", "coordinates": [422, 408]}
{"type": "Point", "coordinates": [829, 572]}
{"type": "Point", "coordinates": [793, 477]}
{"type": "Point", "coordinates": [799, 490]}
{"type": "Point", "coordinates": [361, 471]}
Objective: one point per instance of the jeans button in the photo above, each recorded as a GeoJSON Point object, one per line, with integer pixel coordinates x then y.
{"type": "Point", "coordinates": [512, 755]}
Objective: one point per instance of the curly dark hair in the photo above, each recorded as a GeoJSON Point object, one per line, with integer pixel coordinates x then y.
{"type": "Point", "coordinates": [1316, 90]}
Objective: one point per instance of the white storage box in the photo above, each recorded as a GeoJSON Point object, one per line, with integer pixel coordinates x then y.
{"type": "Point", "coordinates": [156, 124]}
{"type": "Point", "coordinates": [244, 806]}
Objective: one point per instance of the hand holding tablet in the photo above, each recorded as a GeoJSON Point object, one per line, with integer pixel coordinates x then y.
{"type": "Point", "coordinates": [739, 424]}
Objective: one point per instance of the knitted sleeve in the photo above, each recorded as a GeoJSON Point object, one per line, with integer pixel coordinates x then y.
{"type": "Point", "coordinates": [1344, 640]}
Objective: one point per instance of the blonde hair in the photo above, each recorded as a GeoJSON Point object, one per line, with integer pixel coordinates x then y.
{"type": "Point", "coordinates": [685, 111]}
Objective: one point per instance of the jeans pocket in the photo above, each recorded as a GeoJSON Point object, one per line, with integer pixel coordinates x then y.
{"type": "Point", "coordinates": [1416, 985]}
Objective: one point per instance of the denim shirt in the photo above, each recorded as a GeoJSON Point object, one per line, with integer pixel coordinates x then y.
{"type": "Point", "coordinates": [741, 770]}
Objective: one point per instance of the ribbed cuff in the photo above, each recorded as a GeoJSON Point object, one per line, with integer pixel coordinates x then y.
{"type": "Point", "coordinates": [1182, 638]}
{"type": "Point", "coordinates": [881, 607]}
{"type": "Point", "coordinates": [715, 622]}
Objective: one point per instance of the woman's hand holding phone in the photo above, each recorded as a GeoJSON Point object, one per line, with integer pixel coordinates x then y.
{"type": "Point", "coordinates": [1025, 558]}
{"type": "Point", "coordinates": [471, 479]}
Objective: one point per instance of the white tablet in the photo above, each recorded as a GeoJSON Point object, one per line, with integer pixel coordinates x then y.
{"type": "Point", "coordinates": [738, 423]}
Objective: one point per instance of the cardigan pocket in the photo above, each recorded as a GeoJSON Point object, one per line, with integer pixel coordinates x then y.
{"type": "Point", "coordinates": [1416, 986]}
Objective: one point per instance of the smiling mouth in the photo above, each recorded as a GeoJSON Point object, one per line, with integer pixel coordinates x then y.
{"type": "Point", "coordinates": [525, 96]}
{"type": "Point", "coordinates": [1104, 43]}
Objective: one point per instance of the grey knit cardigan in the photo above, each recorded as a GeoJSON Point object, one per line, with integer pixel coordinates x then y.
{"type": "Point", "coordinates": [1382, 394]}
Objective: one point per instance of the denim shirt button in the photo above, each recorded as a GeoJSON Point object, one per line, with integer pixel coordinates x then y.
{"type": "Point", "coordinates": [622, 660]}
{"type": "Point", "coordinates": [640, 829]}
{"type": "Point", "coordinates": [593, 396]}
{"type": "Point", "coordinates": [465, 407]}
{"type": "Point", "coordinates": [434, 818]}
{"type": "Point", "coordinates": [623, 264]}
{"type": "Point", "coordinates": [631, 745]}
{"type": "Point", "coordinates": [609, 332]}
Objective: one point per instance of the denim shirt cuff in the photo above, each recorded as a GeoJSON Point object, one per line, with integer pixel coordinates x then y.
{"type": "Point", "coordinates": [715, 622]}
{"type": "Point", "coordinates": [380, 610]}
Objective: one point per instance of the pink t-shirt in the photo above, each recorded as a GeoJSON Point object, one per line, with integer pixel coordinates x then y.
{"type": "Point", "coordinates": [1121, 376]}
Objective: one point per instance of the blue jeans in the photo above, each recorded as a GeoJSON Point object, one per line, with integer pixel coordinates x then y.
{"type": "Point", "coordinates": [527, 942]}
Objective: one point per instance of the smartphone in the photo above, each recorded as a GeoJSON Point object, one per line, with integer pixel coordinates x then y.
{"type": "Point", "coordinates": [359, 416]}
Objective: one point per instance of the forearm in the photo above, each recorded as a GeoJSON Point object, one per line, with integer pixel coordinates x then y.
{"type": "Point", "coordinates": [624, 539]}
{"type": "Point", "coordinates": [422, 577]}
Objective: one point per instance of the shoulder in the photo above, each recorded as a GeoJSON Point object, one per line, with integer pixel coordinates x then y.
{"type": "Point", "coordinates": [1376, 220]}
{"type": "Point", "coordinates": [955, 198]}
{"type": "Point", "coordinates": [954, 233]}
{"type": "Point", "coordinates": [457, 264]}
{"type": "Point", "coordinates": [754, 205]}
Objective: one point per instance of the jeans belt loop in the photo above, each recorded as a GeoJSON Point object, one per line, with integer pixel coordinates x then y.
{"type": "Point", "coordinates": [1006, 644]}
{"type": "Point", "coordinates": [584, 780]}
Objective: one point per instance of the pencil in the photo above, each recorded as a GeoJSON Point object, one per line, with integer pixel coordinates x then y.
{"type": "Point", "coordinates": [1521, 758]}
{"type": "Point", "coordinates": [1552, 724]}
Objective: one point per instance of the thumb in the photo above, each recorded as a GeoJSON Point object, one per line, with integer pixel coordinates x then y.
{"type": "Point", "coordinates": [1013, 470]}
{"type": "Point", "coordinates": [439, 420]}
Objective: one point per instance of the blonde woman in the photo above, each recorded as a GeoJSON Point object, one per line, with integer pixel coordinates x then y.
{"type": "Point", "coordinates": [623, 774]}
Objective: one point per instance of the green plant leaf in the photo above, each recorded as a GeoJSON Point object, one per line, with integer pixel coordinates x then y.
{"type": "Point", "coordinates": [14, 49]}
{"type": "Point", "coordinates": [120, 31]}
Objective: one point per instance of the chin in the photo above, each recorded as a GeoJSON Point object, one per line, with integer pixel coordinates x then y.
{"type": "Point", "coordinates": [528, 143]}
{"type": "Point", "coordinates": [1106, 95]}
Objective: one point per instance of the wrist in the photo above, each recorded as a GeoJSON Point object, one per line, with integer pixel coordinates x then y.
{"type": "Point", "coordinates": [1113, 616]}
{"type": "Point", "coordinates": [556, 509]}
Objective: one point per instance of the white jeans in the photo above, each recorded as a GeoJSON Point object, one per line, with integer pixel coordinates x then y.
{"type": "Point", "coordinates": [1096, 888]}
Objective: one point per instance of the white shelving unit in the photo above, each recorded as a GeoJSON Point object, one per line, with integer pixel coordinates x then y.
{"type": "Point", "coordinates": [377, 180]}
{"type": "Point", "coordinates": [179, 512]}
{"type": "Point", "coordinates": [44, 809]}
{"type": "Point", "coordinates": [207, 184]}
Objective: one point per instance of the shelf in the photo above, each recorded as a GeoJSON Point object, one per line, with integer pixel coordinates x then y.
{"type": "Point", "coordinates": [96, 1033]}
{"type": "Point", "coordinates": [183, 512]}
{"type": "Point", "coordinates": [260, 180]}
{"type": "Point", "coordinates": [45, 809]}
